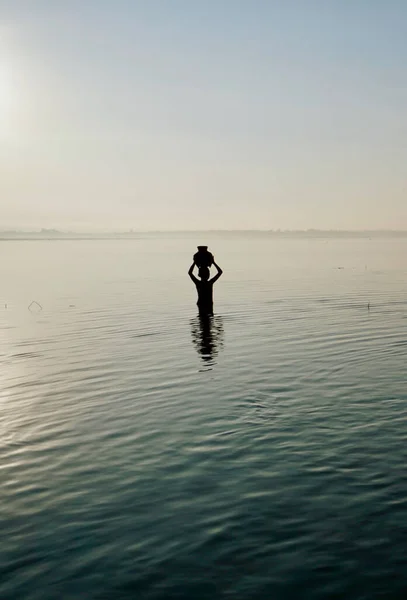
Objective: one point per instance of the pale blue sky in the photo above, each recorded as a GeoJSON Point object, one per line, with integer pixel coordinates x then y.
{"type": "Point", "coordinates": [179, 114]}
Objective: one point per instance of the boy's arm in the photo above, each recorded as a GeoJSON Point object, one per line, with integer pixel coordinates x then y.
{"type": "Point", "coordinates": [218, 274]}
{"type": "Point", "coordinates": [190, 273]}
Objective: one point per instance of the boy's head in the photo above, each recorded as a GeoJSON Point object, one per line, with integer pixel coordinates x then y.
{"type": "Point", "coordinates": [204, 273]}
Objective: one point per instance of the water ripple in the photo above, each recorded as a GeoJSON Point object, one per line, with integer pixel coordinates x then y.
{"type": "Point", "coordinates": [262, 454]}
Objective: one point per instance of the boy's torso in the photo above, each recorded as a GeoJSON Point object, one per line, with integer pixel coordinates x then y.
{"type": "Point", "coordinates": [205, 292]}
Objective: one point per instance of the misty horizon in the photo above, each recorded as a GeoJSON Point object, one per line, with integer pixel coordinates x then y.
{"type": "Point", "coordinates": [53, 232]}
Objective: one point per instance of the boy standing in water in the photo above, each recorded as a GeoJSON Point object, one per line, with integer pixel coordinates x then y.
{"type": "Point", "coordinates": [204, 287]}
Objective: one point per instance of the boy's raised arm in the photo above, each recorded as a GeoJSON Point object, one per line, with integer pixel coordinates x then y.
{"type": "Point", "coordinates": [218, 274]}
{"type": "Point", "coordinates": [190, 273]}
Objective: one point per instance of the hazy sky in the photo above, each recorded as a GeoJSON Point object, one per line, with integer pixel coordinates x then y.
{"type": "Point", "coordinates": [199, 114]}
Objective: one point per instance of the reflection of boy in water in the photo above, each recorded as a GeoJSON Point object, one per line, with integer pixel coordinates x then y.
{"type": "Point", "coordinates": [207, 336]}
{"type": "Point", "coordinates": [204, 287]}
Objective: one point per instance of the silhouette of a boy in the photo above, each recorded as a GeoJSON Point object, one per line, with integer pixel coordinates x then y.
{"type": "Point", "coordinates": [204, 287]}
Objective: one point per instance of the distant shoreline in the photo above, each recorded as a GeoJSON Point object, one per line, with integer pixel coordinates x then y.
{"type": "Point", "coordinates": [55, 235]}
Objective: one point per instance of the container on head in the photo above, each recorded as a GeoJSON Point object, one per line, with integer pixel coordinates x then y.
{"type": "Point", "coordinates": [203, 258]}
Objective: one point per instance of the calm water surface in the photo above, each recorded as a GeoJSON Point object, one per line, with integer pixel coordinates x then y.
{"type": "Point", "coordinates": [147, 454]}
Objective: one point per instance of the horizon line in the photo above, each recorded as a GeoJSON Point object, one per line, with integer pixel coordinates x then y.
{"type": "Point", "coordinates": [130, 231]}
